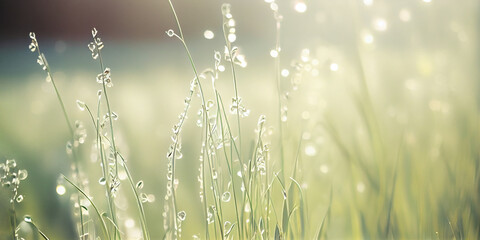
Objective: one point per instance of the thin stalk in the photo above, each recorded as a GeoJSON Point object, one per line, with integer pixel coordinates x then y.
{"type": "Point", "coordinates": [232, 65]}
{"type": "Point", "coordinates": [236, 150]}
{"type": "Point", "coordinates": [111, 204]}
{"type": "Point", "coordinates": [230, 169]}
{"type": "Point", "coordinates": [143, 220]}
{"type": "Point", "coordinates": [204, 195]}
{"type": "Point", "coordinates": [114, 146]}
{"type": "Point", "coordinates": [39, 231]}
{"type": "Point", "coordinates": [13, 220]}
{"type": "Point", "coordinates": [70, 128]}
{"type": "Point", "coordinates": [279, 96]}
{"type": "Point", "coordinates": [103, 225]}
{"type": "Point", "coordinates": [182, 39]}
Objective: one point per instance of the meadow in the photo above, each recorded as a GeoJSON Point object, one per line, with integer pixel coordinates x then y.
{"type": "Point", "coordinates": [290, 120]}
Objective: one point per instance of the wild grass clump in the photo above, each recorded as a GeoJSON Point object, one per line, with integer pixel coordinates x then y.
{"type": "Point", "coordinates": [269, 181]}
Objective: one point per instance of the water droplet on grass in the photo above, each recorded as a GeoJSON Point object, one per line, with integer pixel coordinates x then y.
{"type": "Point", "coordinates": [32, 47]}
{"type": "Point", "coordinates": [10, 163]}
{"type": "Point", "coordinates": [60, 189]}
{"type": "Point", "coordinates": [310, 150]}
{"type": "Point", "coordinates": [143, 197]}
{"type": "Point", "coordinates": [19, 198]}
{"type": "Point", "coordinates": [181, 216]}
{"type": "Point", "coordinates": [274, 6]}
{"type": "Point", "coordinates": [274, 53]}
{"type": "Point", "coordinates": [22, 174]}
{"type": "Point", "coordinates": [380, 24]}
{"type": "Point", "coordinates": [94, 32]}
{"type": "Point", "coordinates": [140, 184]}
{"type": "Point", "coordinates": [102, 181]}
{"type": "Point", "coordinates": [300, 7]}
{"type": "Point", "coordinates": [334, 67]}
{"type": "Point", "coordinates": [231, 23]}
{"type": "Point", "coordinates": [170, 33]}
{"type": "Point", "coordinates": [27, 219]}
{"type": "Point", "coordinates": [81, 105]}
{"type": "Point", "coordinates": [208, 34]}
{"type": "Point", "coordinates": [232, 37]}
{"type": "Point", "coordinates": [226, 196]}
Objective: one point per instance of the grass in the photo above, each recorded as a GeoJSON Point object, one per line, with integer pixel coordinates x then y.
{"type": "Point", "coordinates": [300, 171]}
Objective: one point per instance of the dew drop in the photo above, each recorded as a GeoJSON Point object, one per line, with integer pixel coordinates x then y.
{"type": "Point", "coordinates": [181, 216]}
{"type": "Point", "coordinates": [368, 38]}
{"type": "Point", "coordinates": [231, 23]}
{"type": "Point", "coordinates": [274, 6]}
{"type": "Point", "coordinates": [208, 34]}
{"type": "Point", "coordinates": [210, 218]}
{"type": "Point", "coordinates": [129, 223]}
{"type": "Point", "coordinates": [232, 37]}
{"type": "Point", "coordinates": [94, 32]}
{"type": "Point", "coordinates": [91, 46]}
{"type": "Point", "coordinates": [221, 68]}
{"type": "Point", "coordinates": [102, 181]}
{"type": "Point", "coordinates": [170, 33]}
{"type": "Point", "coordinates": [60, 189]}
{"type": "Point", "coordinates": [285, 72]}
{"type": "Point", "coordinates": [179, 154]}
{"type": "Point", "coordinates": [227, 225]}
{"type": "Point", "coordinates": [305, 55]}
{"type": "Point", "coordinates": [334, 67]}
{"type": "Point", "coordinates": [114, 116]}
{"type": "Point", "coordinates": [19, 198]}
{"type": "Point", "coordinates": [300, 7]}
{"type": "Point", "coordinates": [48, 78]}
{"type": "Point", "coordinates": [247, 208]}
{"type": "Point", "coordinates": [143, 197]}
{"type": "Point", "coordinates": [261, 120]}
{"type": "Point", "coordinates": [273, 53]}
{"type": "Point", "coordinates": [380, 24]}
{"type": "Point", "coordinates": [226, 196]}
{"type": "Point", "coordinates": [151, 198]}
{"type": "Point", "coordinates": [22, 174]}
{"type": "Point", "coordinates": [11, 163]}
{"type": "Point", "coordinates": [69, 147]}
{"type": "Point", "coordinates": [27, 219]}
{"type": "Point", "coordinates": [140, 184]}
{"type": "Point", "coordinates": [81, 105]}
{"type": "Point", "coordinates": [310, 150]}
{"type": "Point", "coordinates": [32, 47]}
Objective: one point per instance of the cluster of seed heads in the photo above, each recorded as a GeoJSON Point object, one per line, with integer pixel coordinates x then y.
{"type": "Point", "coordinates": [96, 45]}
{"type": "Point", "coordinates": [41, 60]}
{"type": "Point", "coordinates": [228, 23]}
{"type": "Point", "coordinates": [10, 177]}
{"type": "Point", "coordinates": [238, 107]}
{"type": "Point", "coordinates": [105, 78]}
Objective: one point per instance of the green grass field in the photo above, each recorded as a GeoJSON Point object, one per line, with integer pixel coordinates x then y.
{"type": "Point", "coordinates": [340, 120]}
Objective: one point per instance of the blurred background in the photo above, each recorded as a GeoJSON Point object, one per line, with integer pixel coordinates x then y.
{"type": "Point", "coordinates": [374, 88]}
